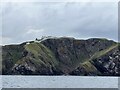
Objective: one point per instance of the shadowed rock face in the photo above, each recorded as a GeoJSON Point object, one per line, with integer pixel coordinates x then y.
{"type": "Point", "coordinates": [62, 56]}
{"type": "Point", "coordinates": [105, 65]}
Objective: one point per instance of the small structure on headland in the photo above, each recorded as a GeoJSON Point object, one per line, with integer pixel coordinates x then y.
{"type": "Point", "coordinates": [44, 38]}
{"type": "Point", "coordinates": [49, 37]}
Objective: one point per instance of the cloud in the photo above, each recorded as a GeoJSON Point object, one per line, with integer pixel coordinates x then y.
{"type": "Point", "coordinates": [35, 31]}
{"type": "Point", "coordinates": [27, 21]}
{"type": "Point", "coordinates": [60, 1]}
{"type": "Point", "coordinates": [5, 40]}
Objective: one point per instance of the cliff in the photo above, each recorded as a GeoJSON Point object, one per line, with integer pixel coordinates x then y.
{"type": "Point", "coordinates": [62, 56]}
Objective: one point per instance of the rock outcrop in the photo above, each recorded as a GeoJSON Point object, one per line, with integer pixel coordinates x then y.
{"type": "Point", "coordinates": [62, 56]}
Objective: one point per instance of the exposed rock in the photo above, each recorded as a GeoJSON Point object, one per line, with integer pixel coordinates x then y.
{"type": "Point", "coordinates": [62, 56]}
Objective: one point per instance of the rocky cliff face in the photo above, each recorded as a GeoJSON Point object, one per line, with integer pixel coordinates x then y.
{"type": "Point", "coordinates": [62, 56]}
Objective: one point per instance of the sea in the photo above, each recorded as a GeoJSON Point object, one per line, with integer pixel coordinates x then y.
{"type": "Point", "coordinates": [15, 81]}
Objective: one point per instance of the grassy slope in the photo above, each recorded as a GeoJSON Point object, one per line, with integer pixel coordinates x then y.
{"type": "Point", "coordinates": [11, 55]}
{"type": "Point", "coordinates": [41, 54]}
{"type": "Point", "coordinates": [38, 54]}
{"type": "Point", "coordinates": [103, 52]}
{"type": "Point", "coordinates": [88, 66]}
{"type": "Point", "coordinates": [40, 51]}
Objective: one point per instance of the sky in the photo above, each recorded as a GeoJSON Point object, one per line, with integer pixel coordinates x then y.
{"type": "Point", "coordinates": [24, 21]}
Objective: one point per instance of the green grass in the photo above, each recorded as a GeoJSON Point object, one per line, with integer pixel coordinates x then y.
{"type": "Point", "coordinates": [103, 52]}
{"type": "Point", "coordinates": [14, 53]}
{"type": "Point", "coordinates": [88, 67]}
{"type": "Point", "coordinates": [41, 53]}
{"type": "Point", "coordinates": [87, 64]}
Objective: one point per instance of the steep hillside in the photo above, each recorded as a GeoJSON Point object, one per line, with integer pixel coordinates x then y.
{"type": "Point", "coordinates": [62, 56]}
{"type": "Point", "coordinates": [103, 63]}
{"type": "Point", "coordinates": [32, 58]}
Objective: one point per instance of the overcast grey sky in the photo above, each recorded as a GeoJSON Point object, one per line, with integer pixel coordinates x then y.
{"type": "Point", "coordinates": [27, 21]}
